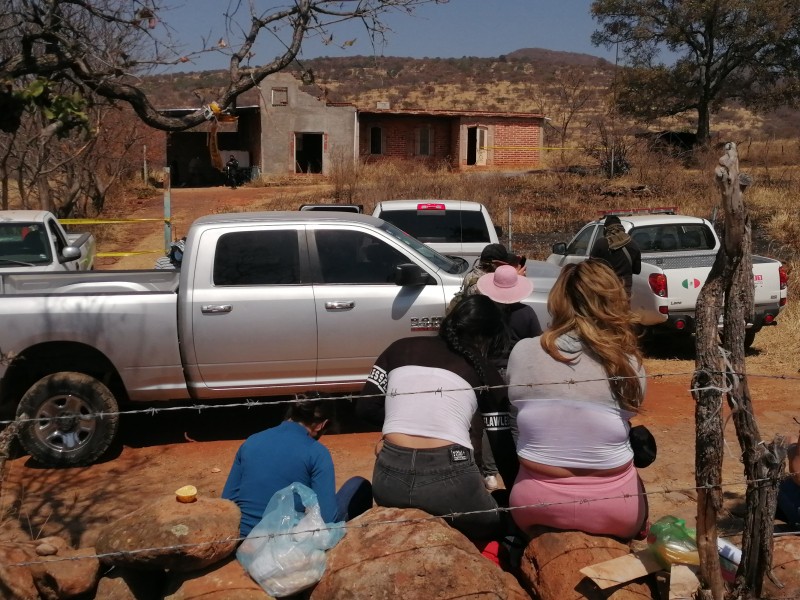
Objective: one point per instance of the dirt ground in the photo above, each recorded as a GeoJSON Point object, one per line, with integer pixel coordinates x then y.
{"type": "Point", "coordinates": [158, 454]}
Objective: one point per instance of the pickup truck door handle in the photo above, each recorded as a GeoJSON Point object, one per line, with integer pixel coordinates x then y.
{"type": "Point", "coordinates": [340, 305]}
{"type": "Point", "coordinates": [216, 308]}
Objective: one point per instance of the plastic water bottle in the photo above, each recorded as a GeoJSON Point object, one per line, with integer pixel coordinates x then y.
{"type": "Point", "coordinates": [672, 542]}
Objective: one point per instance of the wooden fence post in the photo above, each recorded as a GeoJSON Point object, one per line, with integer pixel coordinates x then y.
{"type": "Point", "coordinates": [721, 371]}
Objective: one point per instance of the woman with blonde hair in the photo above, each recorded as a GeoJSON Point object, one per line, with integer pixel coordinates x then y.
{"type": "Point", "coordinates": [576, 388]}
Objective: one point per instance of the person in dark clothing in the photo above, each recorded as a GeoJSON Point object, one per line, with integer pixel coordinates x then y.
{"type": "Point", "coordinates": [423, 391]}
{"type": "Point", "coordinates": [232, 172]}
{"type": "Point", "coordinates": [275, 458]}
{"type": "Point", "coordinates": [619, 251]}
{"type": "Point", "coordinates": [788, 509]}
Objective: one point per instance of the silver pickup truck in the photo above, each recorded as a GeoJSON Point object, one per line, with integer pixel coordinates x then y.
{"type": "Point", "coordinates": [34, 240]}
{"type": "Point", "coordinates": [265, 304]}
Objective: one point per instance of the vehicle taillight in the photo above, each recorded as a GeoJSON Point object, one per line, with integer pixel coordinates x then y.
{"type": "Point", "coordinates": [658, 283]}
{"type": "Point", "coordinates": [430, 206]}
{"type": "Point", "coordinates": [784, 277]}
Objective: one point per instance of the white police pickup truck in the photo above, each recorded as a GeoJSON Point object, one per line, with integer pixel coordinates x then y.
{"type": "Point", "coordinates": [34, 241]}
{"type": "Point", "coordinates": [677, 254]}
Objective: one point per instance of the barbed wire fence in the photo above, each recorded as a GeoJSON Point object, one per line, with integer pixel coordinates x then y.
{"type": "Point", "coordinates": [12, 426]}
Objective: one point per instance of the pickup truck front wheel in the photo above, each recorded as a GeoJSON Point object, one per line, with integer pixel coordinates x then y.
{"type": "Point", "coordinates": [68, 429]}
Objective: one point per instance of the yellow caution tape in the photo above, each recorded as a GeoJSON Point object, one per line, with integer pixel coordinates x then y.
{"type": "Point", "coordinates": [109, 221]}
{"type": "Point", "coordinates": [110, 254]}
{"type": "Point", "coordinates": [534, 148]}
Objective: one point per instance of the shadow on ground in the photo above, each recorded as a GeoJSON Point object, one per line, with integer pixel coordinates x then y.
{"type": "Point", "coordinates": [221, 421]}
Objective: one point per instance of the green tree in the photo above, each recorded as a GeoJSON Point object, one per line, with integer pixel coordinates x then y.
{"type": "Point", "coordinates": [102, 47]}
{"type": "Point", "coordinates": [724, 50]}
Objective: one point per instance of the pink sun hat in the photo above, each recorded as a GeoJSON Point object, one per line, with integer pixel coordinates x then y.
{"type": "Point", "coordinates": [505, 285]}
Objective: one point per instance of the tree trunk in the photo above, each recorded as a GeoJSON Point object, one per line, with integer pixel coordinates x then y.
{"type": "Point", "coordinates": [719, 371]}
{"type": "Point", "coordinates": [703, 122]}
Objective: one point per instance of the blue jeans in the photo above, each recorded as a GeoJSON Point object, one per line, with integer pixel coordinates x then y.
{"type": "Point", "coordinates": [353, 498]}
{"type": "Point", "coordinates": [438, 481]}
{"type": "Point", "coordinates": [789, 502]}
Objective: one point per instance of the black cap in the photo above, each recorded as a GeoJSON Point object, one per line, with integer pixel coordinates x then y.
{"type": "Point", "coordinates": [612, 220]}
{"type": "Point", "coordinates": [498, 252]}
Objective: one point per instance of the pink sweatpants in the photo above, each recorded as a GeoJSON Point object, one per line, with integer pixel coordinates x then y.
{"type": "Point", "coordinates": [592, 504]}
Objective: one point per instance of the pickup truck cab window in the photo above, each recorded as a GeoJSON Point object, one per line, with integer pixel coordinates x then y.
{"type": "Point", "coordinates": [348, 256]}
{"type": "Point", "coordinates": [58, 239]}
{"type": "Point", "coordinates": [580, 245]}
{"type": "Point", "coordinates": [257, 258]}
{"type": "Point", "coordinates": [673, 238]}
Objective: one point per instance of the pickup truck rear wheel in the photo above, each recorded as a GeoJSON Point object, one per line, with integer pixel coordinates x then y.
{"type": "Point", "coordinates": [68, 430]}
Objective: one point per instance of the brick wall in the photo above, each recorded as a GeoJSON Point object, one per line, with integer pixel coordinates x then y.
{"type": "Point", "coordinates": [512, 142]}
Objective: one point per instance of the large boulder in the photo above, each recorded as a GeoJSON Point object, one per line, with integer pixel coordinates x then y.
{"type": "Point", "coordinates": [552, 562]}
{"type": "Point", "coordinates": [404, 554]}
{"type": "Point", "coordinates": [17, 582]}
{"type": "Point", "coordinates": [129, 584]}
{"type": "Point", "coordinates": [785, 567]}
{"type": "Point", "coordinates": [68, 574]}
{"type": "Point", "coordinates": [168, 534]}
{"type": "Point", "coordinates": [221, 581]}
{"type": "Point", "coordinates": [53, 571]}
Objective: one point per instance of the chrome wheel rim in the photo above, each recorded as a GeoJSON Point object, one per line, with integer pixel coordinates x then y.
{"type": "Point", "coordinates": [64, 423]}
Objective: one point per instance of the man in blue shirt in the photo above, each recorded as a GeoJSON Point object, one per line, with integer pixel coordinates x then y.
{"type": "Point", "coordinates": [272, 459]}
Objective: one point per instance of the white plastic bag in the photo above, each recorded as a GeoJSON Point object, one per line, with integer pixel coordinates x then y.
{"type": "Point", "coordinates": [285, 551]}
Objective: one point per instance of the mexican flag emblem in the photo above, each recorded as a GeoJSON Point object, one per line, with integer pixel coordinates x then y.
{"type": "Point", "coordinates": [691, 283]}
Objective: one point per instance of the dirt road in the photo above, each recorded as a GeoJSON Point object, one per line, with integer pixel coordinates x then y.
{"type": "Point", "coordinates": [159, 453]}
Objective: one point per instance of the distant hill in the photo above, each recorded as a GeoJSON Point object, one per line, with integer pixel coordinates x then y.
{"type": "Point", "coordinates": [526, 80]}
{"type": "Point", "coordinates": [502, 83]}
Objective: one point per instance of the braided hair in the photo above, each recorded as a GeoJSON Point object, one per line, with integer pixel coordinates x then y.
{"type": "Point", "coordinates": [473, 326]}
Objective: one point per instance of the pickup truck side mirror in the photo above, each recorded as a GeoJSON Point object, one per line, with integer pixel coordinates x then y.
{"type": "Point", "coordinates": [413, 275]}
{"type": "Point", "coordinates": [560, 248]}
{"type": "Point", "coordinates": [70, 253]}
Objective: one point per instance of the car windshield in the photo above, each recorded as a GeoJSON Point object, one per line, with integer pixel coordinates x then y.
{"type": "Point", "coordinates": [440, 226]}
{"type": "Point", "coordinates": [23, 244]}
{"type": "Point", "coordinates": [441, 261]}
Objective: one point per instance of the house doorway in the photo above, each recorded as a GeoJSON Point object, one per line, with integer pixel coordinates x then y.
{"type": "Point", "coordinates": [308, 152]}
{"type": "Point", "coordinates": [476, 146]}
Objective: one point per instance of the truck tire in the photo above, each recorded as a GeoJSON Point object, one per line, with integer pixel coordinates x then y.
{"type": "Point", "coordinates": [79, 437]}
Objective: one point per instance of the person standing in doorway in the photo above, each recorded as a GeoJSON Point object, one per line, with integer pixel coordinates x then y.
{"type": "Point", "coordinates": [232, 172]}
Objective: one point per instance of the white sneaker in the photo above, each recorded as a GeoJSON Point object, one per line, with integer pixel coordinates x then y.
{"type": "Point", "coordinates": [490, 481]}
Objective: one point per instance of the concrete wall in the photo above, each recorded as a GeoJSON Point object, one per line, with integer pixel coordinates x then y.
{"type": "Point", "coordinates": [302, 113]}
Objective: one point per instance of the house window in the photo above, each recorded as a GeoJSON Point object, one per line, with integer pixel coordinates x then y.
{"type": "Point", "coordinates": [280, 96]}
{"type": "Point", "coordinates": [424, 140]}
{"type": "Point", "coordinates": [376, 140]}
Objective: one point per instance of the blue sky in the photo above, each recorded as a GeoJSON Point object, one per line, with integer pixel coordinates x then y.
{"type": "Point", "coordinates": [482, 28]}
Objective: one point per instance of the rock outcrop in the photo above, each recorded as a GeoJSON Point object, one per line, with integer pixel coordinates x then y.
{"type": "Point", "coordinates": [424, 558]}
{"type": "Point", "coordinates": [172, 535]}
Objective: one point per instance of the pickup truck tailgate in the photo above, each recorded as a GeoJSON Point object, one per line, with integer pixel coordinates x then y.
{"type": "Point", "coordinates": [687, 272]}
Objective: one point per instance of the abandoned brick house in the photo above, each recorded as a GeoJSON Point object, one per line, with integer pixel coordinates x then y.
{"type": "Point", "coordinates": [291, 131]}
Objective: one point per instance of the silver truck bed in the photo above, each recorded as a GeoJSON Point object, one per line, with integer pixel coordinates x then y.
{"type": "Point", "coordinates": [89, 282]}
